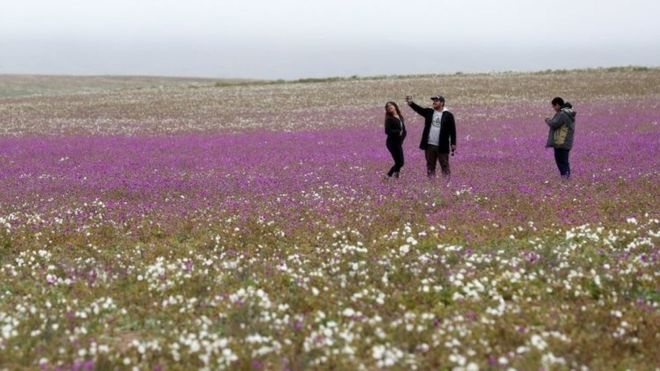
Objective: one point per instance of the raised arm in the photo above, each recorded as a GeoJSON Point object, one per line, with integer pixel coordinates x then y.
{"type": "Point", "coordinates": [417, 108]}
{"type": "Point", "coordinates": [557, 120]}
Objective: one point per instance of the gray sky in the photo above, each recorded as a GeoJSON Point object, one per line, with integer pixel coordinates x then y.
{"type": "Point", "coordinates": [314, 38]}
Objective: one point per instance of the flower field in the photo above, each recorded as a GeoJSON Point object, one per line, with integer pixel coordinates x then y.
{"type": "Point", "coordinates": [248, 226]}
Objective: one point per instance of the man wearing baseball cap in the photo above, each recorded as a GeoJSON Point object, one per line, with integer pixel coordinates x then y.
{"type": "Point", "coordinates": [439, 135]}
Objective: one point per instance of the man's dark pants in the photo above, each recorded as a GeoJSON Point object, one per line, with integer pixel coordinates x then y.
{"type": "Point", "coordinates": [433, 156]}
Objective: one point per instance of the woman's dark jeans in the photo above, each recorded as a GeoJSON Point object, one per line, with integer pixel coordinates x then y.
{"type": "Point", "coordinates": [395, 146]}
{"type": "Point", "coordinates": [561, 158]}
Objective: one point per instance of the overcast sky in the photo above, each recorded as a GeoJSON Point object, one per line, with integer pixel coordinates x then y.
{"type": "Point", "coordinates": [315, 38]}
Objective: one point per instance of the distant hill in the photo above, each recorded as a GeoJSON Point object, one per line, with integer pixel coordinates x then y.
{"type": "Point", "coordinates": [26, 85]}
{"type": "Point", "coordinates": [49, 85]}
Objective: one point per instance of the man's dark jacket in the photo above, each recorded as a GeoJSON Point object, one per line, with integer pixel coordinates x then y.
{"type": "Point", "coordinates": [447, 128]}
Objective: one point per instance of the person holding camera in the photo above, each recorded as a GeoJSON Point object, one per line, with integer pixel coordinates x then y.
{"type": "Point", "coordinates": [560, 134]}
{"type": "Point", "coordinates": [439, 135]}
{"type": "Point", "coordinates": [395, 129]}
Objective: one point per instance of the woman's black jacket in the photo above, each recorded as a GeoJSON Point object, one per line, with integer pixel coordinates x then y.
{"type": "Point", "coordinates": [393, 128]}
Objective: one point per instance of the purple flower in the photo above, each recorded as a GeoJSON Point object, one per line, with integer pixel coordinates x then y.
{"type": "Point", "coordinates": [51, 279]}
{"type": "Point", "coordinates": [256, 364]}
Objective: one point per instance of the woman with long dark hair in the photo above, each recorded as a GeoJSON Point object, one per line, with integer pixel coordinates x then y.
{"type": "Point", "coordinates": [395, 129]}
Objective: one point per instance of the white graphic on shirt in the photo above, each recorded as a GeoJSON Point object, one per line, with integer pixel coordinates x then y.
{"type": "Point", "coordinates": [434, 133]}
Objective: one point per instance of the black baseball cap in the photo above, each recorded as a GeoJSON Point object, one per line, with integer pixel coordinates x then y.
{"type": "Point", "coordinates": [438, 97]}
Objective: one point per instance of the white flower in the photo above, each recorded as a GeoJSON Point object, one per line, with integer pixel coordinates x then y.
{"type": "Point", "coordinates": [458, 359]}
{"type": "Point", "coordinates": [522, 349]}
{"type": "Point", "coordinates": [550, 359]}
{"type": "Point", "coordinates": [597, 280]}
{"type": "Point", "coordinates": [404, 249]}
{"type": "Point", "coordinates": [538, 342]}
{"type": "Point", "coordinates": [378, 351]}
{"type": "Point", "coordinates": [411, 240]}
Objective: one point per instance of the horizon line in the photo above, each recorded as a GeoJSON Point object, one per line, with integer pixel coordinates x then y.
{"type": "Point", "coordinates": [342, 77]}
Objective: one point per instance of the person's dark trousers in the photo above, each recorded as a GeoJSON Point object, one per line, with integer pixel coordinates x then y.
{"type": "Point", "coordinates": [561, 158]}
{"type": "Point", "coordinates": [395, 146]}
{"type": "Point", "coordinates": [433, 157]}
